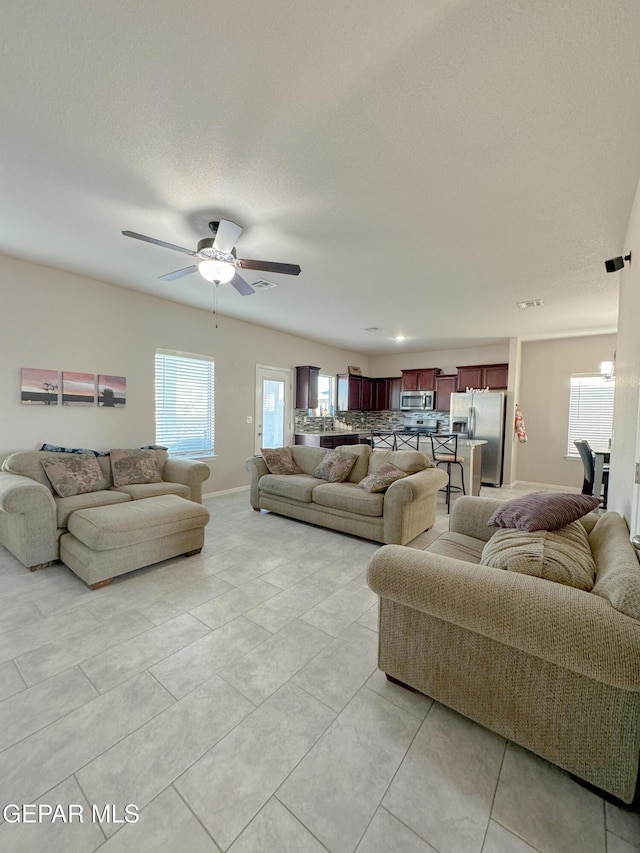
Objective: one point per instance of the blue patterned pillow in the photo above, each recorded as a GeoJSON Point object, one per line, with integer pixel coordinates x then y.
{"type": "Point", "coordinates": [53, 448]}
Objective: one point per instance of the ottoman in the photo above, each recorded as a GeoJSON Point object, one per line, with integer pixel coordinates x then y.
{"type": "Point", "coordinates": [107, 541]}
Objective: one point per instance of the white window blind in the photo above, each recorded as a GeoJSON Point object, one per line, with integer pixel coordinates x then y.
{"type": "Point", "coordinates": [590, 412]}
{"type": "Point", "coordinates": [185, 403]}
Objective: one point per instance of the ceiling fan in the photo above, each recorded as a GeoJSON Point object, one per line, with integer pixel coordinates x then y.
{"type": "Point", "coordinates": [217, 260]}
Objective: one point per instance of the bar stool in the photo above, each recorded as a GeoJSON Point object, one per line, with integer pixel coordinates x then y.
{"type": "Point", "coordinates": [383, 438]}
{"type": "Point", "coordinates": [408, 439]}
{"type": "Point", "coordinates": [444, 449]}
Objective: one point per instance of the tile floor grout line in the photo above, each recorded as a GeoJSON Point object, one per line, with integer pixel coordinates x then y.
{"type": "Point", "coordinates": [84, 794]}
{"type": "Point", "coordinates": [298, 820]}
{"type": "Point", "coordinates": [188, 806]}
{"type": "Point", "coordinates": [495, 792]}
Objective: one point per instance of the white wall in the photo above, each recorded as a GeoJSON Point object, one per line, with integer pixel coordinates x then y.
{"type": "Point", "coordinates": [545, 372]}
{"type": "Point", "coordinates": [626, 433]}
{"type": "Point", "coordinates": [446, 360]}
{"type": "Point", "coordinates": [53, 319]}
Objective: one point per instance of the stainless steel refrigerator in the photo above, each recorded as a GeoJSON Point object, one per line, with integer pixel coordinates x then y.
{"type": "Point", "coordinates": [480, 414]}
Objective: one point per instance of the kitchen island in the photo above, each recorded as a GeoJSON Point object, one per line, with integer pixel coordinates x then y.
{"type": "Point", "coordinates": [471, 451]}
{"type": "Point", "coordinates": [331, 438]}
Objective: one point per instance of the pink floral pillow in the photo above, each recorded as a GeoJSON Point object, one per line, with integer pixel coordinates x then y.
{"type": "Point", "coordinates": [381, 479]}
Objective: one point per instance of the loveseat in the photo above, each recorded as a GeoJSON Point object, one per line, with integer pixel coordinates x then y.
{"type": "Point", "coordinates": [397, 515]}
{"type": "Point", "coordinates": [33, 516]}
{"type": "Point", "coordinates": [549, 666]}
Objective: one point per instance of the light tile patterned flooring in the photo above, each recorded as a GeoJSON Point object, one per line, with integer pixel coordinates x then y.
{"type": "Point", "coordinates": [234, 698]}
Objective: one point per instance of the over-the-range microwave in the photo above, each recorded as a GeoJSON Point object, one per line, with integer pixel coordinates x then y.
{"type": "Point", "coordinates": [416, 401]}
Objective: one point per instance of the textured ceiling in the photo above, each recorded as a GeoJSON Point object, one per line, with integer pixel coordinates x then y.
{"type": "Point", "coordinates": [428, 164]}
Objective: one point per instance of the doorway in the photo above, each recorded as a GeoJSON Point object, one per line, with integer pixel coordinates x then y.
{"type": "Point", "coordinates": [274, 407]}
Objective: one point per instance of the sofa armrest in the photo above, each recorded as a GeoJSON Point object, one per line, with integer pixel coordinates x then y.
{"type": "Point", "coordinates": [469, 515]}
{"type": "Point", "coordinates": [28, 525]}
{"type": "Point", "coordinates": [257, 467]}
{"type": "Point", "coordinates": [572, 629]}
{"type": "Point", "coordinates": [188, 472]}
{"type": "Point", "coordinates": [415, 486]}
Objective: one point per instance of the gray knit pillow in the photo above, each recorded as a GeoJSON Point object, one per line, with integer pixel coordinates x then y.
{"type": "Point", "coordinates": [542, 511]}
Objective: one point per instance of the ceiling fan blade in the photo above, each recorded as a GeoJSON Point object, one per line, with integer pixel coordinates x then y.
{"type": "Point", "coordinates": [227, 236]}
{"type": "Point", "coordinates": [157, 242]}
{"type": "Point", "coordinates": [171, 276]}
{"type": "Point", "coordinates": [268, 266]}
{"type": "Point", "coordinates": [243, 287]}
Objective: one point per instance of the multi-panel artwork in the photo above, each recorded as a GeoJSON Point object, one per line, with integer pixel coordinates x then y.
{"type": "Point", "coordinates": [41, 387]}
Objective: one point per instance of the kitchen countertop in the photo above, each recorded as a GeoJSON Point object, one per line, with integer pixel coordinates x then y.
{"type": "Point", "coordinates": [462, 442]}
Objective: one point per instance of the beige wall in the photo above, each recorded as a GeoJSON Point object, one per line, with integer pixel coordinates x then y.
{"type": "Point", "coordinates": [626, 425]}
{"type": "Point", "coordinates": [446, 360]}
{"type": "Point", "coordinates": [53, 319]}
{"type": "Point", "coordinates": [545, 371]}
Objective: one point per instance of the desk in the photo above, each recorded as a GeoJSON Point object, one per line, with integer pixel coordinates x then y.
{"type": "Point", "coordinates": [601, 458]}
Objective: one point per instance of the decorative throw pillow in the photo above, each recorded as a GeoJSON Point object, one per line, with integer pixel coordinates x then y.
{"type": "Point", "coordinates": [335, 466]}
{"type": "Point", "coordinates": [279, 460]}
{"type": "Point", "coordinates": [381, 479]}
{"type": "Point", "coordinates": [542, 511]}
{"type": "Point", "coordinates": [135, 466]}
{"type": "Point", "coordinates": [78, 474]}
{"type": "Point", "coordinates": [562, 556]}
{"type": "Point", "coordinates": [54, 448]}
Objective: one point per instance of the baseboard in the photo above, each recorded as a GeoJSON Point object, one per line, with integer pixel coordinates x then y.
{"type": "Point", "coordinates": [208, 495]}
{"type": "Point", "coordinates": [543, 487]}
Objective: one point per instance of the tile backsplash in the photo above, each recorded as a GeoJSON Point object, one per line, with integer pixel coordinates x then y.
{"type": "Point", "coordinates": [356, 421]}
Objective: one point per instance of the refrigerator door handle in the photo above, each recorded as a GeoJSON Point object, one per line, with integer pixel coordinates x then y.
{"type": "Point", "coordinates": [472, 422]}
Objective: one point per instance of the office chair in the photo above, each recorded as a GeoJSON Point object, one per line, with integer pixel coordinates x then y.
{"type": "Point", "coordinates": [444, 449]}
{"type": "Point", "coordinates": [586, 455]}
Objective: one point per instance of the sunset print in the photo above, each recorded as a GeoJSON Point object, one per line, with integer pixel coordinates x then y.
{"type": "Point", "coordinates": [112, 391]}
{"type": "Point", "coordinates": [39, 387]}
{"type": "Point", "coordinates": [78, 389]}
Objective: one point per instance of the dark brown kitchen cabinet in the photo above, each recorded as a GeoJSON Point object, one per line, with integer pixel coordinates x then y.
{"type": "Point", "coordinates": [307, 387]}
{"type": "Point", "coordinates": [420, 380]}
{"type": "Point", "coordinates": [366, 394]}
{"type": "Point", "coordinates": [445, 386]}
{"type": "Point", "coordinates": [395, 389]}
{"type": "Point", "coordinates": [492, 376]}
{"type": "Point", "coordinates": [380, 397]}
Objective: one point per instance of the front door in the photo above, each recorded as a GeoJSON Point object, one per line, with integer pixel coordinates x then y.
{"type": "Point", "coordinates": [274, 407]}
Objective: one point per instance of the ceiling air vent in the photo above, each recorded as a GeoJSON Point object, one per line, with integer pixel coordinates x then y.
{"type": "Point", "coordinates": [263, 284]}
{"type": "Point", "coordinates": [531, 303]}
{"type": "Point", "coordinates": [372, 329]}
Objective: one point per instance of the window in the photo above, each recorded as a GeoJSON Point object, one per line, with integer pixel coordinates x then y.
{"type": "Point", "coordinates": [326, 394]}
{"type": "Point", "coordinates": [590, 411]}
{"type": "Point", "coordinates": [184, 403]}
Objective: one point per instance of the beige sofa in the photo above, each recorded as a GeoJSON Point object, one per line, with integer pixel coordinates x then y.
{"type": "Point", "coordinates": [406, 509]}
{"type": "Point", "coordinates": [553, 668]}
{"type": "Point", "coordinates": [33, 517]}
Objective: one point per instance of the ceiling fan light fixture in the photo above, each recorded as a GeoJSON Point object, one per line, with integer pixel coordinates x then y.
{"type": "Point", "coordinates": [213, 270]}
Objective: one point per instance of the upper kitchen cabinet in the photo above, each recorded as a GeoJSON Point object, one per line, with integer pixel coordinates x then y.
{"type": "Point", "coordinates": [349, 392]}
{"type": "Point", "coordinates": [307, 387]}
{"type": "Point", "coordinates": [445, 386]}
{"type": "Point", "coordinates": [492, 376]}
{"type": "Point", "coordinates": [420, 380]}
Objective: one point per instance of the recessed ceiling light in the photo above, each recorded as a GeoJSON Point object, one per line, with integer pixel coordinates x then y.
{"type": "Point", "coordinates": [399, 338]}
{"type": "Point", "coordinates": [531, 303]}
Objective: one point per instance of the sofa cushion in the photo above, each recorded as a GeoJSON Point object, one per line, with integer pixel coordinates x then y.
{"type": "Point", "coordinates": [307, 458]}
{"type": "Point", "coordinates": [295, 487]}
{"type": "Point", "coordinates": [542, 511]}
{"type": "Point", "coordinates": [360, 469]}
{"type": "Point", "coordinates": [76, 474]}
{"type": "Point", "coordinates": [131, 466]}
{"type": "Point", "coordinates": [382, 478]}
{"type": "Point", "coordinates": [335, 466]}
{"type": "Point", "coordinates": [138, 491]}
{"type": "Point", "coordinates": [617, 567]}
{"type": "Point", "coordinates": [348, 497]}
{"type": "Point", "coordinates": [279, 460]}
{"type": "Point", "coordinates": [65, 506]}
{"type": "Point", "coordinates": [562, 556]}
{"type": "Point", "coordinates": [409, 461]}
{"type": "Point", "coordinates": [457, 545]}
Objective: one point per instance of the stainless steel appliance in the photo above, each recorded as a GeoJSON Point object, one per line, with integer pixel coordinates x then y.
{"type": "Point", "coordinates": [481, 414]}
{"type": "Point", "coordinates": [416, 401]}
